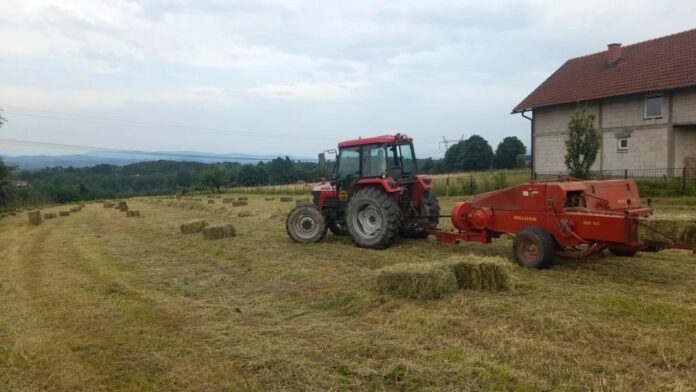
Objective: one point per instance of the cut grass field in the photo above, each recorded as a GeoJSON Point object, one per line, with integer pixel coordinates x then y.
{"type": "Point", "coordinates": [98, 301]}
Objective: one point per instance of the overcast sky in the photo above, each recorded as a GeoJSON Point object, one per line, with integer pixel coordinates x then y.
{"type": "Point", "coordinates": [293, 77]}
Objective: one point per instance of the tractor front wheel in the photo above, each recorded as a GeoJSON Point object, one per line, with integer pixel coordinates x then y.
{"type": "Point", "coordinates": [534, 248]}
{"type": "Point", "coordinates": [305, 223]}
{"type": "Point", "coordinates": [373, 218]}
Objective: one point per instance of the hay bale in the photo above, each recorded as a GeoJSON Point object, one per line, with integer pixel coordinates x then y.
{"type": "Point", "coordinates": [269, 198]}
{"type": "Point", "coordinates": [132, 213]}
{"type": "Point", "coordinates": [211, 201]}
{"type": "Point", "coordinates": [219, 232]}
{"type": "Point", "coordinates": [195, 226]}
{"type": "Point", "coordinates": [243, 198]}
{"type": "Point", "coordinates": [13, 213]}
{"type": "Point", "coordinates": [64, 213]}
{"type": "Point", "coordinates": [239, 203]}
{"type": "Point", "coordinates": [417, 280]}
{"type": "Point", "coordinates": [245, 214]}
{"type": "Point", "coordinates": [49, 215]}
{"type": "Point", "coordinates": [487, 273]}
{"type": "Point", "coordinates": [667, 230]}
{"type": "Point", "coordinates": [123, 206]}
{"type": "Point", "coordinates": [227, 200]}
{"type": "Point", "coordinates": [108, 205]}
{"type": "Point", "coordinates": [75, 209]}
{"type": "Point", "coordinates": [286, 199]}
{"type": "Point", "coordinates": [34, 217]}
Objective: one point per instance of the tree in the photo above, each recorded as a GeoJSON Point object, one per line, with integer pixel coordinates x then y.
{"type": "Point", "coordinates": [282, 171]}
{"type": "Point", "coordinates": [250, 175]}
{"type": "Point", "coordinates": [213, 177]}
{"type": "Point", "coordinates": [582, 144]}
{"type": "Point", "coordinates": [507, 152]}
{"type": "Point", "coordinates": [473, 153]}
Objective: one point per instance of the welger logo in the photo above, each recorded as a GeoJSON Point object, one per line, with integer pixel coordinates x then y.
{"type": "Point", "coordinates": [524, 218]}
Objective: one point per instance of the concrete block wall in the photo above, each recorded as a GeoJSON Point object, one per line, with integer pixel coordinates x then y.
{"type": "Point", "coordinates": [630, 112]}
{"type": "Point", "coordinates": [684, 106]}
{"type": "Point", "coordinates": [684, 144]}
{"type": "Point", "coordinates": [647, 149]}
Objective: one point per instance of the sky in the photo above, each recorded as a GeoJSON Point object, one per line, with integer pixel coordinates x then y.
{"type": "Point", "coordinates": [292, 77]}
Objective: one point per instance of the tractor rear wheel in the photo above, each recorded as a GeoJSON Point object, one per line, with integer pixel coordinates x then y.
{"type": "Point", "coordinates": [623, 252]}
{"type": "Point", "coordinates": [534, 248]}
{"type": "Point", "coordinates": [305, 224]}
{"type": "Point", "coordinates": [429, 207]}
{"type": "Point", "coordinates": [373, 218]}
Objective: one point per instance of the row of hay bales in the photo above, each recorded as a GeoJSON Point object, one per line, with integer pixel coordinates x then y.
{"type": "Point", "coordinates": [35, 217]}
{"type": "Point", "coordinates": [122, 206]}
{"type": "Point", "coordinates": [439, 279]}
{"type": "Point", "coordinates": [209, 232]}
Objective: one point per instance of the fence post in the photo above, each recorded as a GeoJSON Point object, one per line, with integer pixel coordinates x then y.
{"type": "Point", "coordinates": [683, 180]}
{"type": "Point", "coordinates": [625, 174]}
{"type": "Point", "coordinates": [447, 186]}
{"type": "Point", "coordinates": [471, 184]}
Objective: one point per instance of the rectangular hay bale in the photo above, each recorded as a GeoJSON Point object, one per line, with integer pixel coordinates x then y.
{"type": "Point", "coordinates": [191, 227]}
{"type": "Point", "coordinates": [123, 206]}
{"type": "Point", "coordinates": [417, 280]}
{"type": "Point", "coordinates": [64, 213]}
{"type": "Point", "coordinates": [482, 273]}
{"type": "Point", "coordinates": [219, 232]}
{"type": "Point", "coordinates": [286, 199]}
{"type": "Point", "coordinates": [227, 200]}
{"type": "Point", "coordinates": [49, 215]}
{"type": "Point", "coordinates": [34, 218]}
{"type": "Point", "coordinates": [243, 198]}
{"type": "Point", "coordinates": [132, 213]}
{"type": "Point", "coordinates": [239, 203]}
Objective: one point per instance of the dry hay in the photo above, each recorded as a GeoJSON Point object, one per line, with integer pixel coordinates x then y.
{"type": "Point", "coordinates": [239, 203]}
{"type": "Point", "coordinates": [211, 201]}
{"type": "Point", "coordinates": [49, 215]}
{"type": "Point", "coordinates": [482, 273]}
{"type": "Point", "coordinates": [108, 205]}
{"type": "Point", "coordinates": [64, 213]}
{"type": "Point", "coordinates": [34, 217]}
{"type": "Point", "coordinates": [417, 280]}
{"type": "Point", "coordinates": [286, 199]}
{"type": "Point", "coordinates": [279, 215]}
{"type": "Point", "coordinates": [132, 213]}
{"type": "Point", "coordinates": [269, 198]}
{"type": "Point", "coordinates": [243, 198]}
{"type": "Point", "coordinates": [123, 206]}
{"type": "Point", "coordinates": [667, 230]}
{"type": "Point", "coordinates": [245, 214]}
{"type": "Point", "coordinates": [227, 200]}
{"type": "Point", "coordinates": [219, 232]}
{"type": "Point", "coordinates": [301, 201]}
{"type": "Point", "coordinates": [195, 226]}
{"type": "Point", "coordinates": [75, 209]}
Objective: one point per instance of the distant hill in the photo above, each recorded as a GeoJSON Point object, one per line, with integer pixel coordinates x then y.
{"type": "Point", "coordinates": [34, 162]}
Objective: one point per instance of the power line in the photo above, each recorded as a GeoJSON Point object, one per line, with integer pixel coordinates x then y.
{"type": "Point", "coordinates": [61, 146]}
{"type": "Point", "coordinates": [17, 110]}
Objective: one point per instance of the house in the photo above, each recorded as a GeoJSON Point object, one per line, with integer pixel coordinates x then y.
{"type": "Point", "coordinates": [19, 183]}
{"type": "Point", "coordinates": [643, 97]}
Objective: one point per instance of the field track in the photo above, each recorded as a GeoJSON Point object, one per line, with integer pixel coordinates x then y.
{"type": "Point", "coordinates": [98, 301]}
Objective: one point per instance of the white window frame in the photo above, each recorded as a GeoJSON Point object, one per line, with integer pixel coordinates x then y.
{"type": "Point", "coordinates": [618, 144]}
{"type": "Point", "coordinates": [645, 106]}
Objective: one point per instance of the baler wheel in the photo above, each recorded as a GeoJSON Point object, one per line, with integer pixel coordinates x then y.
{"type": "Point", "coordinates": [373, 218]}
{"type": "Point", "coordinates": [534, 248]}
{"type": "Point", "coordinates": [623, 252]}
{"type": "Point", "coordinates": [305, 223]}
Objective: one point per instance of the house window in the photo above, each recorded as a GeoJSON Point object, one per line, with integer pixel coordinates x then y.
{"type": "Point", "coordinates": [622, 144]}
{"type": "Point", "coordinates": [653, 106]}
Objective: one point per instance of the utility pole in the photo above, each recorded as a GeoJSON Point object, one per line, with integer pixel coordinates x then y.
{"type": "Point", "coordinates": [446, 142]}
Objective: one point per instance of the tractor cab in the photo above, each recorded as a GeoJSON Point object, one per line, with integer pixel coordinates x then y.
{"type": "Point", "coordinates": [376, 195]}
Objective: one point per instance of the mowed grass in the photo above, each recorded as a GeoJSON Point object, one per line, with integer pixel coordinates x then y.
{"type": "Point", "coordinates": [98, 301]}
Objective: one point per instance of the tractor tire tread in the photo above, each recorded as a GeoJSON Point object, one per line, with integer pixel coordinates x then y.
{"type": "Point", "coordinates": [297, 210]}
{"type": "Point", "coordinates": [392, 215]}
{"type": "Point", "coordinates": [547, 243]}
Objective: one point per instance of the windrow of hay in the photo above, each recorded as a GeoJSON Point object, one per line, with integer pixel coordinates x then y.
{"type": "Point", "coordinates": [132, 213]}
{"type": "Point", "coordinates": [64, 213]}
{"type": "Point", "coordinates": [286, 199]}
{"type": "Point", "coordinates": [668, 230]}
{"type": "Point", "coordinates": [195, 226]}
{"type": "Point", "coordinates": [417, 280]}
{"type": "Point", "coordinates": [227, 200]}
{"type": "Point", "coordinates": [219, 232]}
{"type": "Point", "coordinates": [49, 215]}
{"type": "Point", "coordinates": [239, 203]}
{"type": "Point", "coordinates": [123, 206]}
{"type": "Point", "coordinates": [34, 217]}
{"type": "Point", "coordinates": [108, 205]}
{"type": "Point", "coordinates": [244, 214]}
{"type": "Point", "coordinates": [437, 279]}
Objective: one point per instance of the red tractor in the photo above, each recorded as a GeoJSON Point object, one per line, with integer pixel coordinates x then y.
{"type": "Point", "coordinates": [375, 196]}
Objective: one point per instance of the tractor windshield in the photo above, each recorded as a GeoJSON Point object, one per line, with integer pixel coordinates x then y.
{"type": "Point", "coordinates": [377, 159]}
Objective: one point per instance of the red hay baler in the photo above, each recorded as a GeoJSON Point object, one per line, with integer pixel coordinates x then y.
{"type": "Point", "coordinates": [568, 218]}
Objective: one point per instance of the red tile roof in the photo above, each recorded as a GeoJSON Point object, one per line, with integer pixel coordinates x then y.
{"type": "Point", "coordinates": [660, 64]}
